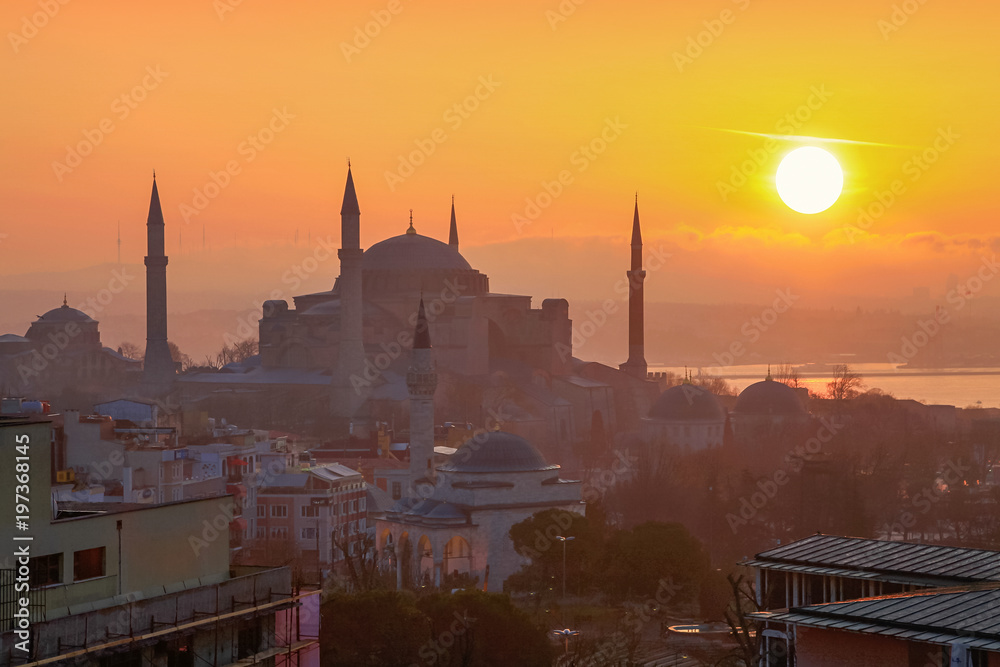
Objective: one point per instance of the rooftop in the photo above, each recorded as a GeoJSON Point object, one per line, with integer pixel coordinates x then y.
{"type": "Point", "coordinates": [854, 556]}
{"type": "Point", "coordinates": [939, 616]}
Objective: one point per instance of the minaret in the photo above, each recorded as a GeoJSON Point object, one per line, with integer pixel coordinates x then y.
{"type": "Point", "coordinates": [453, 232]}
{"type": "Point", "coordinates": [636, 364]}
{"type": "Point", "coordinates": [345, 399]}
{"type": "Point", "coordinates": [421, 379]}
{"type": "Point", "coordinates": [158, 367]}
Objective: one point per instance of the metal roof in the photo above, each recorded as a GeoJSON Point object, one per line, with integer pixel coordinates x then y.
{"type": "Point", "coordinates": [935, 616]}
{"type": "Point", "coordinates": [855, 556]}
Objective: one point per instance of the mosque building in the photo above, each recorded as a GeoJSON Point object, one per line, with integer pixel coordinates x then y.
{"type": "Point", "coordinates": [61, 351]}
{"type": "Point", "coordinates": [343, 351]}
{"type": "Point", "coordinates": [453, 526]}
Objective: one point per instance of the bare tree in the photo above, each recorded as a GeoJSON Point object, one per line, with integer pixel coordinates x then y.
{"type": "Point", "coordinates": [177, 356]}
{"type": "Point", "coordinates": [130, 351]}
{"type": "Point", "coordinates": [846, 384]}
{"type": "Point", "coordinates": [362, 564]}
{"type": "Point", "coordinates": [743, 630]}
{"type": "Point", "coordinates": [786, 374]}
{"type": "Point", "coordinates": [238, 351]}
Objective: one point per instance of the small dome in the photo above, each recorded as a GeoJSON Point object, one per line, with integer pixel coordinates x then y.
{"type": "Point", "coordinates": [769, 398]}
{"type": "Point", "coordinates": [497, 451]}
{"type": "Point", "coordinates": [409, 252]}
{"type": "Point", "coordinates": [65, 314]}
{"type": "Point", "coordinates": [686, 402]}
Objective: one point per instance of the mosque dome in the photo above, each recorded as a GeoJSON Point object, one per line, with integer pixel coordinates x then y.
{"type": "Point", "coordinates": [413, 252]}
{"type": "Point", "coordinates": [497, 451]}
{"type": "Point", "coordinates": [769, 398]}
{"type": "Point", "coordinates": [687, 403]}
{"type": "Point", "coordinates": [65, 314]}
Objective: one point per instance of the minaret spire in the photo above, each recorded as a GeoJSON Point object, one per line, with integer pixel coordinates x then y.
{"type": "Point", "coordinates": [158, 366]}
{"type": "Point", "coordinates": [345, 399]}
{"type": "Point", "coordinates": [421, 380]}
{"type": "Point", "coordinates": [636, 364]}
{"type": "Point", "coordinates": [453, 231]}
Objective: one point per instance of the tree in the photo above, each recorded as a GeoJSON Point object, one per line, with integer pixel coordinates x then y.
{"type": "Point", "coordinates": [239, 351]}
{"type": "Point", "coordinates": [638, 560]}
{"type": "Point", "coordinates": [482, 629]}
{"type": "Point", "coordinates": [179, 357]}
{"type": "Point", "coordinates": [743, 630]}
{"type": "Point", "coordinates": [372, 628]}
{"type": "Point", "coordinates": [130, 351]}
{"type": "Point", "coordinates": [362, 565]}
{"type": "Point", "coordinates": [786, 374]}
{"type": "Point", "coordinates": [846, 384]}
{"type": "Point", "coordinates": [535, 538]}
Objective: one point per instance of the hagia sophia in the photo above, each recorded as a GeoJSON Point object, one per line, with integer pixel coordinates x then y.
{"type": "Point", "coordinates": [344, 353]}
{"type": "Point", "coordinates": [357, 358]}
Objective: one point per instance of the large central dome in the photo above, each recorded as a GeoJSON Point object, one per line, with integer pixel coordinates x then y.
{"type": "Point", "coordinates": [413, 252]}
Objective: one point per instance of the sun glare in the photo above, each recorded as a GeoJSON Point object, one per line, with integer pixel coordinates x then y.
{"type": "Point", "coordinates": [809, 180]}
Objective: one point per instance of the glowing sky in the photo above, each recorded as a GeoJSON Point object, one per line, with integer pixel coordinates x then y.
{"type": "Point", "coordinates": [633, 72]}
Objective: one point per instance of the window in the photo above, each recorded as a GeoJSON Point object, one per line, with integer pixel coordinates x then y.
{"type": "Point", "coordinates": [362, 504]}
{"type": "Point", "coordinates": [261, 532]}
{"type": "Point", "coordinates": [45, 570]}
{"type": "Point", "coordinates": [176, 494]}
{"type": "Point", "coordinates": [354, 505]}
{"type": "Point", "coordinates": [397, 490]}
{"type": "Point", "coordinates": [310, 510]}
{"type": "Point", "coordinates": [88, 564]}
{"type": "Point", "coordinates": [280, 532]}
{"type": "Point", "coordinates": [260, 511]}
{"type": "Point", "coordinates": [248, 640]}
{"type": "Point", "coordinates": [279, 511]}
{"type": "Point", "coordinates": [308, 533]}
{"type": "Point", "coordinates": [343, 507]}
{"type": "Point", "coordinates": [361, 524]}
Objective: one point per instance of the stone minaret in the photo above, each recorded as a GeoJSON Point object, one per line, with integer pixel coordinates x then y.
{"type": "Point", "coordinates": [345, 398]}
{"type": "Point", "coordinates": [636, 364]}
{"type": "Point", "coordinates": [453, 232]}
{"type": "Point", "coordinates": [158, 367]}
{"type": "Point", "coordinates": [421, 379]}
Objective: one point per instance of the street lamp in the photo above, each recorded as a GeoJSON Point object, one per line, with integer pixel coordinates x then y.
{"type": "Point", "coordinates": [564, 540]}
{"type": "Point", "coordinates": [566, 633]}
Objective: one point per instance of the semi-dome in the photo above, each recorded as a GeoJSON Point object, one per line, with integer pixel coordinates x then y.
{"type": "Point", "coordinates": [769, 398]}
{"type": "Point", "coordinates": [687, 403]}
{"type": "Point", "coordinates": [409, 252]}
{"type": "Point", "coordinates": [497, 451]}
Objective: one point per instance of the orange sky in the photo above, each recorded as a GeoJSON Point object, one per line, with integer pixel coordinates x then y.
{"type": "Point", "coordinates": [557, 86]}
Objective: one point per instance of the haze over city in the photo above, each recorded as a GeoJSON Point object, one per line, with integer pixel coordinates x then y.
{"type": "Point", "coordinates": [534, 333]}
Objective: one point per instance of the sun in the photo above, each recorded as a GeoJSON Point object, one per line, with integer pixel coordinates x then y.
{"type": "Point", "coordinates": [809, 180]}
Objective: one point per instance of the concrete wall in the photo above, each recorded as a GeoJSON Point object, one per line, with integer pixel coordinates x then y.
{"type": "Point", "coordinates": [160, 546]}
